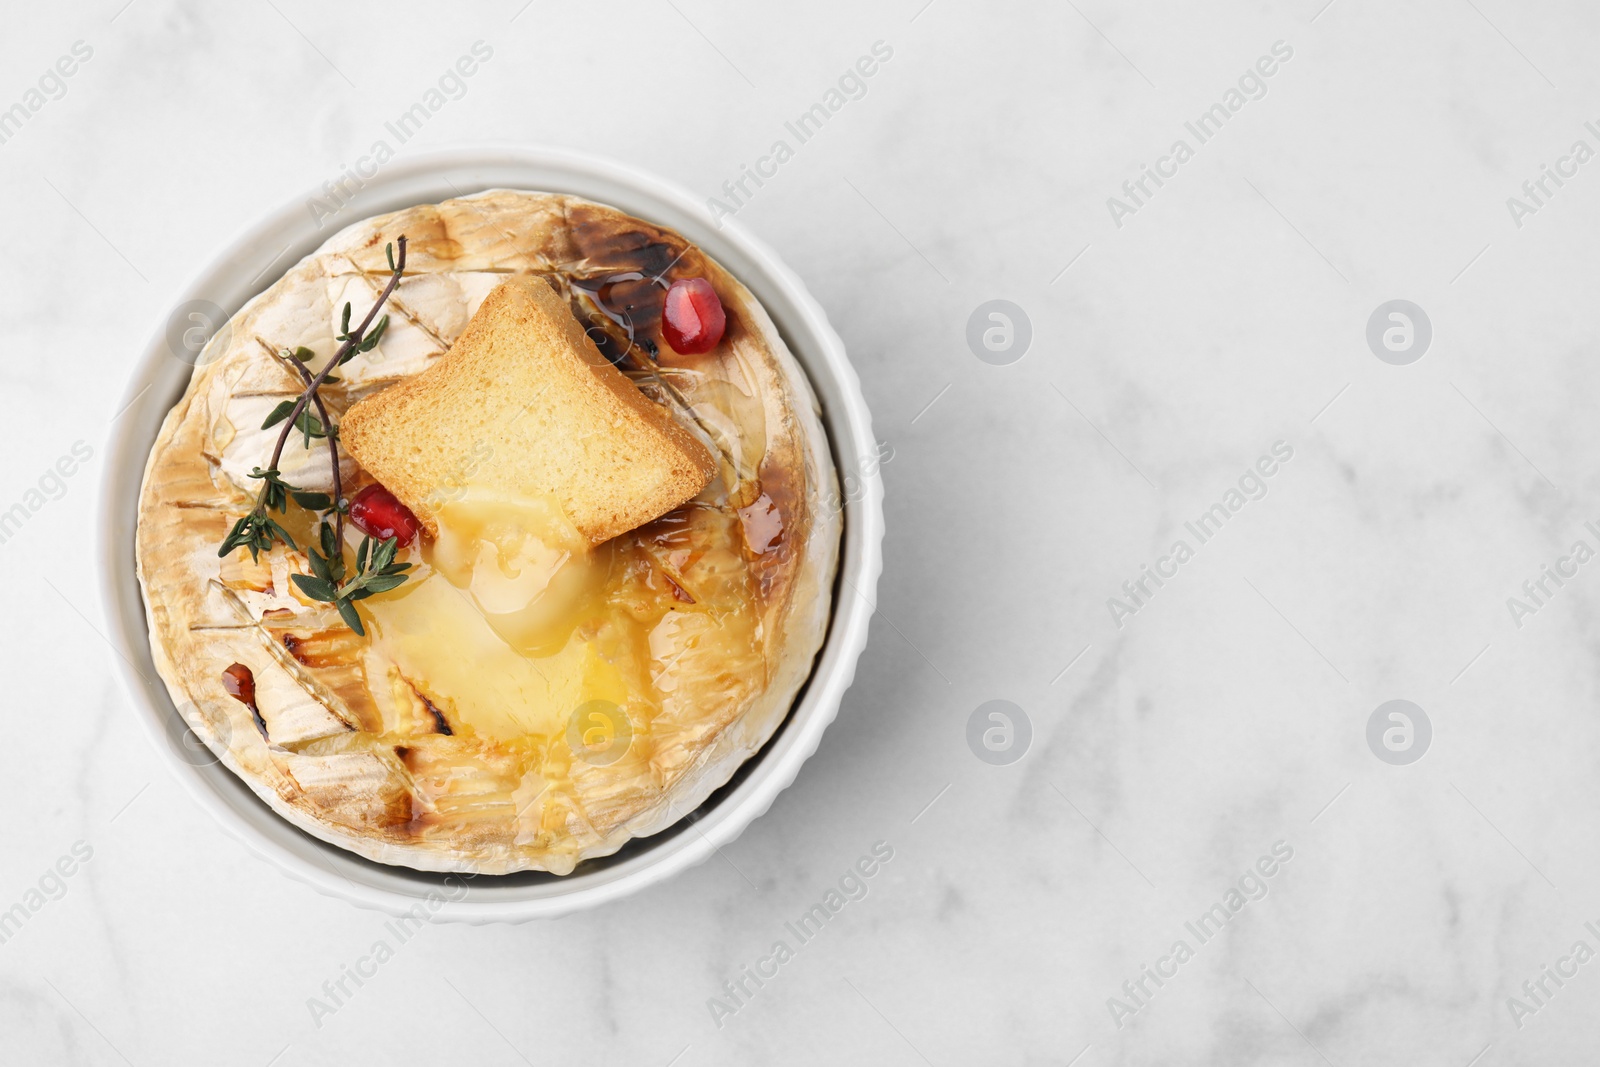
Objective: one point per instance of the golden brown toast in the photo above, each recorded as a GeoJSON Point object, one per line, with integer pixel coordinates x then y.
{"type": "Point", "coordinates": [525, 403]}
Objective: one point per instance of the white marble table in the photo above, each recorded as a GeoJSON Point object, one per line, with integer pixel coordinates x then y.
{"type": "Point", "coordinates": [1177, 337]}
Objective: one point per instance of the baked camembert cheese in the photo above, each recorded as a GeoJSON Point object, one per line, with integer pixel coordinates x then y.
{"type": "Point", "coordinates": [618, 555]}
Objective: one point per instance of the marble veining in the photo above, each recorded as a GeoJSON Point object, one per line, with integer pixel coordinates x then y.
{"type": "Point", "coordinates": [1083, 774]}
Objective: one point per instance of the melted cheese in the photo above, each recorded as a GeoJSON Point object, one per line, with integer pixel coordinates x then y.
{"type": "Point", "coordinates": [525, 567]}
{"type": "Point", "coordinates": [491, 631]}
{"type": "Point", "coordinates": [442, 644]}
{"type": "Point", "coordinates": [513, 625]}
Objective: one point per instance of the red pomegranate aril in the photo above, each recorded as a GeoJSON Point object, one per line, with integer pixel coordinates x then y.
{"type": "Point", "coordinates": [377, 513]}
{"type": "Point", "coordinates": [692, 319]}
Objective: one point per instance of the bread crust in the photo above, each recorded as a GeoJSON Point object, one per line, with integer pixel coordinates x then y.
{"type": "Point", "coordinates": [526, 385]}
{"type": "Point", "coordinates": [342, 757]}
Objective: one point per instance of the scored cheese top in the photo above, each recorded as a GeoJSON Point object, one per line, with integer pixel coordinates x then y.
{"type": "Point", "coordinates": [526, 700]}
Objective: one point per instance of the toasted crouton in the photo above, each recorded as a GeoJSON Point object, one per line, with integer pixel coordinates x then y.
{"type": "Point", "coordinates": [525, 403]}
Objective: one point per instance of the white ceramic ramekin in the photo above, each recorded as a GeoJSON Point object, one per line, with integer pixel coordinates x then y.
{"type": "Point", "coordinates": [253, 262]}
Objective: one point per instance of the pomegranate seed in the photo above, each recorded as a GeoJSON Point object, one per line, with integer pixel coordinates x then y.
{"type": "Point", "coordinates": [693, 319]}
{"type": "Point", "coordinates": [377, 513]}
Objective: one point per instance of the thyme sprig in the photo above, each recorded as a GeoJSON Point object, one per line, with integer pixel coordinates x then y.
{"type": "Point", "coordinates": [258, 531]}
{"type": "Point", "coordinates": [376, 572]}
